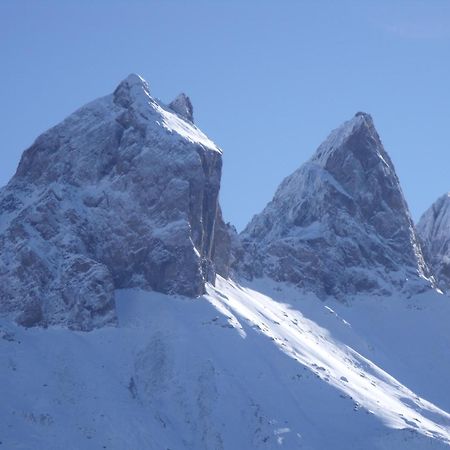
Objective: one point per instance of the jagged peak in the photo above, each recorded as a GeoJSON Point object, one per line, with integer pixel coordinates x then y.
{"type": "Point", "coordinates": [363, 114]}
{"type": "Point", "coordinates": [130, 88]}
{"type": "Point", "coordinates": [182, 105]}
{"type": "Point", "coordinates": [438, 209]}
{"type": "Point", "coordinates": [361, 124]}
{"type": "Point", "coordinates": [442, 201]}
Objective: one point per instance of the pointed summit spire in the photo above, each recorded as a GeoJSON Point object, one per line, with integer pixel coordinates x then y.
{"type": "Point", "coordinates": [134, 79]}
{"type": "Point", "coordinates": [357, 136]}
{"type": "Point", "coordinates": [343, 209]}
{"type": "Point", "coordinates": [182, 106]}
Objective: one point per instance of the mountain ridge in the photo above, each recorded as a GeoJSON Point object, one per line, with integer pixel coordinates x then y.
{"type": "Point", "coordinates": [133, 316]}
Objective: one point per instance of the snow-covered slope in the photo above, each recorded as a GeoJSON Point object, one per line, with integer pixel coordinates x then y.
{"type": "Point", "coordinates": [122, 193]}
{"type": "Point", "coordinates": [434, 230]}
{"type": "Point", "coordinates": [235, 369]}
{"type": "Point", "coordinates": [339, 225]}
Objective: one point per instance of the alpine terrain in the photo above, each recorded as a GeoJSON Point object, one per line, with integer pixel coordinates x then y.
{"type": "Point", "coordinates": [434, 230]}
{"type": "Point", "coordinates": [343, 208]}
{"type": "Point", "coordinates": [133, 317]}
{"type": "Point", "coordinates": [123, 193]}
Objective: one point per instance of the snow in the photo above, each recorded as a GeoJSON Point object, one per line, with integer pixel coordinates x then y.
{"type": "Point", "coordinates": [344, 208]}
{"type": "Point", "coordinates": [170, 120]}
{"type": "Point", "coordinates": [174, 123]}
{"type": "Point", "coordinates": [315, 347]}
{"type": "Point", "coordinates": [259, 366]}
{"type": "Point", "coordinates": [123, 166]}
{"type": "Point", "coordinates": [338, 137]}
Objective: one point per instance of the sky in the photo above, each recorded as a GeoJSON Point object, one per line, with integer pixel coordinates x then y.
{"type": "Point", "coordinates": [268, 79]}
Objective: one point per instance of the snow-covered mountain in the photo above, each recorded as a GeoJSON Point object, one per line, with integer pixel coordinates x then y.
{"type": "Point", "coordinates": [339, 225]}
{"type": "Point", "coordinates": [122, 193]}
{"type": "Point", "coordinates": [116, 333]}
{"type": "Point", "coordinates": [434, 231]}
{"type": "Point", "coordinates": [258, 367]}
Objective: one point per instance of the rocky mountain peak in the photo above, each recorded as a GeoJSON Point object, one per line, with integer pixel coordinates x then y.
{"type": "Point", "coordinates": [182, 105]}
{"type": "Point", "coordinates": [122, 193]}
{"type": "Point", "coordinates": [360, 122]}
{"type": "Point", "coordinates": [344, 208]}
{"type": "Point", "coordinates": [356, 138]}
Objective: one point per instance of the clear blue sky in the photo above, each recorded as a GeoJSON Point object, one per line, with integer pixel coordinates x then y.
{"type": "Point", "coordinates": [268, 79]}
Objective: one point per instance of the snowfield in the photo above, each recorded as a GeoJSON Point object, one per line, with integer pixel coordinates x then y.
{"type": "Point", "coordinates": [260, 366]}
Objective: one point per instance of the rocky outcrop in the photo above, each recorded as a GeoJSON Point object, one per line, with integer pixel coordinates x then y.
{"type": "Point", "coordinates": [225, 238]}
{"type": "Point", "coordinates": [434, 231]}
{"type": "Point", "coordinates": [339, 225]}
{"type": "Point", "coordinates": [123, 193]}
{"type": "Point", "coordinates": [182, 106]}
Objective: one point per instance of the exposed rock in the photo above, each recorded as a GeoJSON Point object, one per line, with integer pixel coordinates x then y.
{"type": "Point", "coordinates": [123, 193]}
{"type": "Point", "coordinates": [224, 235]}
{"type": "Point", "coordinates": [434, 230]}
{"type": "Point", "coordinates": [182, 105]}
{"type": "Point", "coordinates": [339, 225]}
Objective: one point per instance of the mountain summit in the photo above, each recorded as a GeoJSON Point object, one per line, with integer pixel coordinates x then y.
{"type": "Point", "coordinates": [123, 193]}
{"type": "Point", "coordinates": [339, 225]}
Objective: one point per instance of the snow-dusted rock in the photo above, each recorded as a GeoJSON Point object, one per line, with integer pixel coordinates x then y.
{"type": "Point", "coordinates": [122, 193]}
{"type": "Point", "coordinates": [434, 231]}
{"type": "Point", "coordinates": [182, 105]}
{"type": "Point", "coordinates": [339, 225]}
{"type": "Point", "coordinates": [224, 237]}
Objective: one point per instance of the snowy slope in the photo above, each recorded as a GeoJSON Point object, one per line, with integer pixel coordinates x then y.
{"type": "Point", "coordinates": [256, 367]}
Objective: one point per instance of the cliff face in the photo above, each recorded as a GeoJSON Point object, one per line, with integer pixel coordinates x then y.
{"type": "Point", "coordinates": [123, 193]}
{"type": "Point", "coordinates": [434, 231]}
{"type": "Point", "coordinates": [339, 225]}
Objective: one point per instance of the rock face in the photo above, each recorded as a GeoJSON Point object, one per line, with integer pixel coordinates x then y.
{"type": "Point", "coordinates": [123, 193]}
{"type": "Point", "coordinates": [339, 225]}
{"type": "Point", "coordinates": [225, 238]}
{"type": "Point", "coordinates": [182, 106]}
{"type": "Point", "coordinates": [434, 230]}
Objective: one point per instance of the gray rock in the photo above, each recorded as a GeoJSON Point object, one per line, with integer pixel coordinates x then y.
{"type": "Point", "coordinates": [434, 231]}
{"type": "Point", "coordinates": [224, 236]}
{"type": "Point", "coordinates": [339, 225]}
{"type": "Point", "coordinates": [123, 193]}
{"type": "Point", "coordinates": [182, 106]}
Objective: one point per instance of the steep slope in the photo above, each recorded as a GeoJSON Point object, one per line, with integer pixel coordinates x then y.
{"type": "Point", "coordinates": [339, 225]}
{"type": "Point", "coordinates": [122, 193]}
{"type": "Point", "coordinates": [235, 369]}
{"type": "Point", "coordinates": [434, 231]}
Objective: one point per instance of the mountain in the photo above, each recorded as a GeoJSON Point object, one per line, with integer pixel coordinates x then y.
{"type": "Point", "coordinates": [339, 225]}
{"type": "Point", "coordinates": [123, 193]}
{"type": "Point", "coordinates": [133, 317]}
{"type": "Point", "coordinates": [434, 230]}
